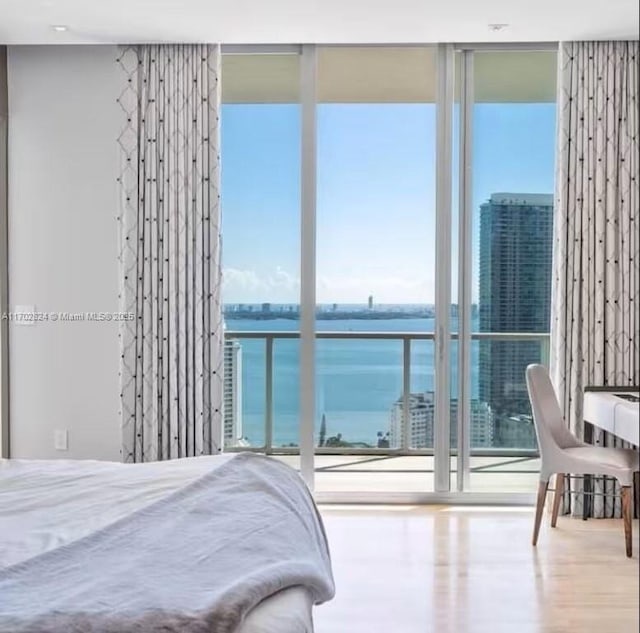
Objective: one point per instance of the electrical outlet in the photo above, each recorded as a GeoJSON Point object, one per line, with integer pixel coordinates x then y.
{"type": "Point", "coordinates": [61, 439]}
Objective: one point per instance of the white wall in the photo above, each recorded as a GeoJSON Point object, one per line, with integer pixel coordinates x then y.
{"type": "Point", "coordinates": [4, 428]}
{"type": "Point", "coordinates": [63, 163]}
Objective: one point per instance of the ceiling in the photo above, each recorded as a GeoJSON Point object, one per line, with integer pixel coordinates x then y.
{"type": "Point", "coordinates": [314, 21]}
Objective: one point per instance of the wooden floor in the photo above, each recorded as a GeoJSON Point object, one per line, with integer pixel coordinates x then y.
{"type": "Point", "coordinates": [472, 570]}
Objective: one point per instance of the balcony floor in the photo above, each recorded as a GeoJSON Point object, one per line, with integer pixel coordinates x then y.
{"type": "Point", "coordinates": [414, 474]}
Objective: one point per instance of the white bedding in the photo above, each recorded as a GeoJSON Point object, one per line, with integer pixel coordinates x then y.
{"type": "Point", "coordinates": [46, 504]}
{"type": "Point", "coordinates": [49, 504]}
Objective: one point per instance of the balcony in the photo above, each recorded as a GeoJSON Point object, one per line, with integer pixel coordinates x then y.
{"type": "Point", "coordinates": [374, 423]}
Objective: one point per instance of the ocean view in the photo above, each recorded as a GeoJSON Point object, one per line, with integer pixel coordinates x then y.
{"type": "Point", "coordinates": [358, 380]}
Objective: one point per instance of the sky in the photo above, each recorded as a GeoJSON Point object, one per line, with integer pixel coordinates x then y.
{"type": "Point", "coordinates": [375, 195]}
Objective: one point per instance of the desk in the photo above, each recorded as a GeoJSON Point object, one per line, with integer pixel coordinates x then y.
{"type": "Point", "coordinates": [613, 413]}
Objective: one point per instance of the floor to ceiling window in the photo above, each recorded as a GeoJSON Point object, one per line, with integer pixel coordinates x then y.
{"type": "Point", "coordinates": [261, 248]}
{"type": "Point", "coordinates": [375, 260]}
{"type": "Point", "coordinates": [378, 226]}
{"type": "Point", "coordinates": [510, 180]}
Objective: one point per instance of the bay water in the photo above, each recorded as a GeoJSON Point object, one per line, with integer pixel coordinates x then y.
{"type": "Point", "coordinates": [357, 380]}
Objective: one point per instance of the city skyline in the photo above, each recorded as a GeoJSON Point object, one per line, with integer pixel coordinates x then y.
{"type": "Point", "coordinates": [376, 166]}
{"type": "Point", "coordinates": [514, 272]}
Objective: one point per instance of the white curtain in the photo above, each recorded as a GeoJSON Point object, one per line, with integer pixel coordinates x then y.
{"type": "Point", "coordinates": [595, 320]}
{"type": "Point", "coordinates": [171, 352]}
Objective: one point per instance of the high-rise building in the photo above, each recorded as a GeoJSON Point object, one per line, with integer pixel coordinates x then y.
{"type": "Point", "coordinates": [481, 425]}
{"type": "Point", "coordinates": [421, 407]}
{"type": "Point", "coordinates": [421, 419]}
{"type": "Point", "coordinates": [514, 296]}
{"type": "Point", "coordinates": [232, 392]}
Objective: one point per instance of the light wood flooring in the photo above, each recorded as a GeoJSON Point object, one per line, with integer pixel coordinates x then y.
{"type": "Point", "coordinates": [434, 569]}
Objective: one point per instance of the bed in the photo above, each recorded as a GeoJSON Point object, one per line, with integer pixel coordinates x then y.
{"type": "Point", "coordinates": [221, 544]}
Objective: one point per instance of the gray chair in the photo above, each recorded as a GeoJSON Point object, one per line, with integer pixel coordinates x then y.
{"type": "Point", "coordinates": [562, 453]}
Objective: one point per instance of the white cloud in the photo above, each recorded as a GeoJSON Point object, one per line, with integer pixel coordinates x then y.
{"type": "Point", "coordinates": [248, 286]}
{"type": "Point", "coordinates": [280, 286]}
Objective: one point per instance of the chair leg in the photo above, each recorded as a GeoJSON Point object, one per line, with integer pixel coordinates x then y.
{"type": "Point", "coordinates": [586, 497]}
{"type": "Point", "coordinates": [542, 495]}
{"type": "Point", "coordinates": [626, 518]}
{"type": "Point", "coordinates": [557, 498]}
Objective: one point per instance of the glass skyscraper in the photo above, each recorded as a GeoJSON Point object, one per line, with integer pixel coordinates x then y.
{"type": "Point", "coordinates": [515, 296]}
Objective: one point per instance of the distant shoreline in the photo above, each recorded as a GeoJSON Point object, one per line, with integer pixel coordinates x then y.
{"type": "Point", "coordinates": [326, 316]}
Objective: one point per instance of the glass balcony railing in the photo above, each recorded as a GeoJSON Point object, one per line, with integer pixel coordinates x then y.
{"type": "Point", "coordinates": [375, 392]}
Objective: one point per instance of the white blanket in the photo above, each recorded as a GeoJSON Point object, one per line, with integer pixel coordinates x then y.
{"type": "Point", "coordinates": [196, 560]}
{"type": "Point", "coordinates": [48, 503]}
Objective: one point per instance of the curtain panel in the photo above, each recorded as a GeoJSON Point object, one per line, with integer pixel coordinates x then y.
{"type": "Point", "coordinates": [172, 348]}
{"type": "Point", "coordinates": [595, 321]}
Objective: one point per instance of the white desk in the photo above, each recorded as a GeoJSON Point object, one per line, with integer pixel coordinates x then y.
{"type": "Point", "coordinates": [611, 413]}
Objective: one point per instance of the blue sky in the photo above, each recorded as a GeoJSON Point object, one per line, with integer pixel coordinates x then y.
{"type": "Point", "coordinates": [376, 194]}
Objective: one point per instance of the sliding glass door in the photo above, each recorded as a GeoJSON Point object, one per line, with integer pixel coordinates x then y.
{"type": "Point", "coordinates": [506, 175]}
{"type": "Point", "coordinates": [387, 218]}
{"type": "Point", "coordinates": [260, 133]}
{"type": "Point", "coordinates": [376, 269]}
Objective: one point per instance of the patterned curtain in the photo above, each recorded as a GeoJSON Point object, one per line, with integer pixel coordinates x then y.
{"type": "Point", "coordinates": [595, 338]}
{"type": "Point", "coordinates": [171, 352]}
